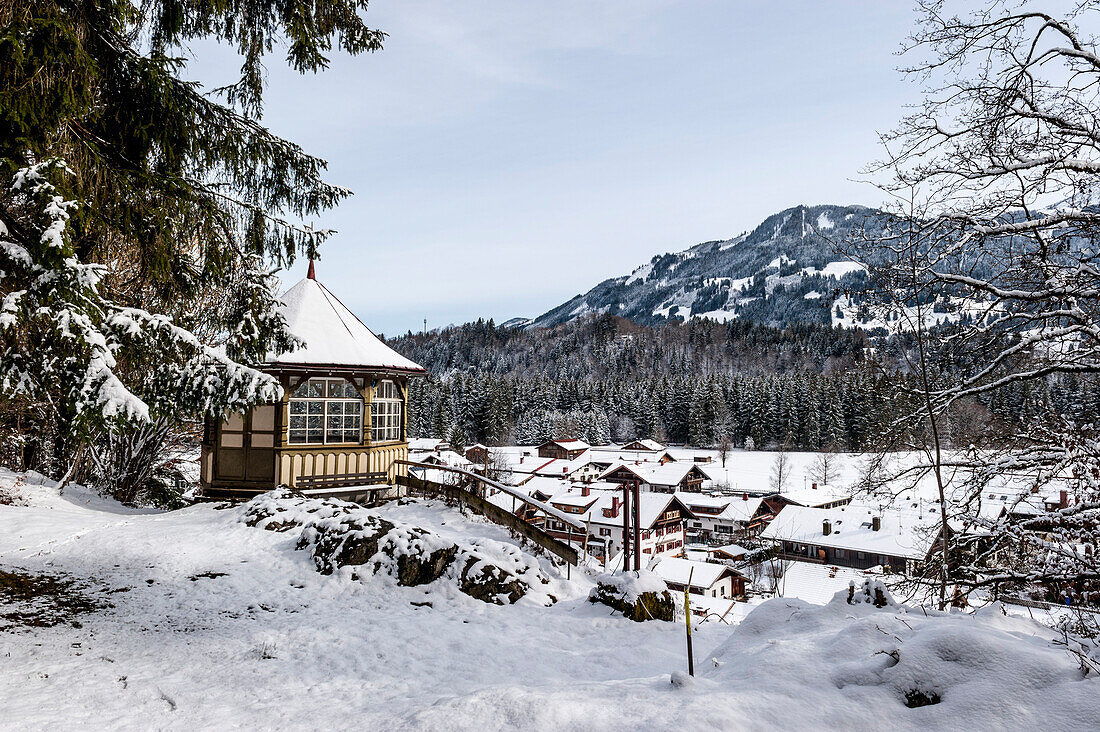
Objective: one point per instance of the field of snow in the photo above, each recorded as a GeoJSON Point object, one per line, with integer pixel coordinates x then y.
{"type": "Point", "coordinates": [215, 624]}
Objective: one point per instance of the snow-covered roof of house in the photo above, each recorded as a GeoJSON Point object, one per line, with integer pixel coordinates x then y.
{"type": "Point", "coordinates": [545, 485]}
{"type": "Point", "coordinates": [604, 456]}
{"type": "Point", "coordinates": [903, 532]}
{"type": "Point", "coordinates": [703, 574]}
{"type": "Point", "coordinates": [654, 473]}
{"type": "Point", "coordinates": [333, 335]}
{"type": "Point", "coordinates": [570, 444]}
{"type": "Point", "coordinates": [449, 458]}
{"type": "Point", "coordinates": [647, 444]}
{"type": "Point", "coordinates": [425, 444]}
{"type": "Point", "coordinates": [732, 508]}
{"type": "Point", "coordinates": [653, 505]}
{"type": "Point", "coordinates": [816, 583]}
{"type": "Point", "coordinates": [733, 550]}
{"type": "Point", "coordinates": [816, 497]}
{"type": "Point", "coordinates": [568, 498]}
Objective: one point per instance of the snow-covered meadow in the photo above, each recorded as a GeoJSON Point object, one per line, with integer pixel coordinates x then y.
{"type": "Point", "coordinates": [216, 624]}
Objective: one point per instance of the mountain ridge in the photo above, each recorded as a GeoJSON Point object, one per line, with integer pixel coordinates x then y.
{"type": "Point", "coordinates": [787, 269]}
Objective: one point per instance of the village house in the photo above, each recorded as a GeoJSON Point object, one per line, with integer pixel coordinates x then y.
{"type": "Point", "coordinates": [340, 426]}
{"type": "Point", "coordinates": [813, 496]}
{"type": "Point", "coordinates": [662, 520]}
{"type": "Point", "coordinates": [856, 535]}
{"type": "Point", "coordinates": [657, 477]}
{"type": "Point", "coordinates": [644, 446]}
{"type": "Point", "coordinates": [721, 518]}
{"type": "Point", "coordinates": [703, 578]}
{"type": "Point", "coordinates": [427, 444]}
{"type": "Point", "coordinates": [564, 449]}
{"type": "Point", "coordinates": [477, 453]}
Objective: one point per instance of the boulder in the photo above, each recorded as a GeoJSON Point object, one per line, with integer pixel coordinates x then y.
{"type": "Point", "coordinates": [638, 595]}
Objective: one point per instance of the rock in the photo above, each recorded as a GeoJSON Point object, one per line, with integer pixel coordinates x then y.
{"type": "Point", "coordinates": [343, 541]}
{"type": "Point", "coordinates": [489, 583]}
{"type": "Point", "coordinates": [639, 596]}
{"type": "Point", "coordinates": [339, 534]}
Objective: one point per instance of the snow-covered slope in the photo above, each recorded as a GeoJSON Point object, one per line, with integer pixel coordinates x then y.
{"type": "Point", "coordinates": [214, 625]}
{"type": "Point", "coordinates": [788, 269]}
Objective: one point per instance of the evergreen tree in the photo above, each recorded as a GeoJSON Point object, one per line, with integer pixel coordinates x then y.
{"type": "Point", "coordinates": [139, 216]}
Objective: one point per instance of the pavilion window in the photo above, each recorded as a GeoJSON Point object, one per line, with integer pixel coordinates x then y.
{"type": "Point", "coordinates": [386, 412]}
{"type": "Point", "coordinates": [326, 412]}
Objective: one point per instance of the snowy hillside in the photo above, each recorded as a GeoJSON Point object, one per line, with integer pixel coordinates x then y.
{"type": "Point", "coordinates": [193, 619]}
{"type": "Point", "coordinates": [788, 269]}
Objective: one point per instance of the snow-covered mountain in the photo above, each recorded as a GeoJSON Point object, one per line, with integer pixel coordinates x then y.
{"type": "Point", "coordinates": [790, 268]}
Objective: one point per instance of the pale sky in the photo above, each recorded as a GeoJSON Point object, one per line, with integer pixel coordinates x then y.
{"type": "Point", "coordinates": [506, 155]}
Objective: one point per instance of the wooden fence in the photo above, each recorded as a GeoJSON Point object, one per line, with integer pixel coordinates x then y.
{"type": "Point", "coordinates": [478, 503]}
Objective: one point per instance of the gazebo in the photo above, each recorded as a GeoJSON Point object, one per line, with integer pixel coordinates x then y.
{"type": "Point", "coordinates": [341, 423]}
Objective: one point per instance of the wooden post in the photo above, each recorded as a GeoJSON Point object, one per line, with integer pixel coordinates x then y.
{"type": "Point", "coordinates": [626, 527]}
{"type": "Point", "coordinates": [637, 526]}
{"type": "Point", "coordinates": [687, 619]}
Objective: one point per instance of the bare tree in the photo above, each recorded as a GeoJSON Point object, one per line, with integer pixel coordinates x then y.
{"type": "Point", "coordinates": [496, 465]}
{"type": "Point", "coordinates": [824, 467]}
{"type": "Point", "coordinates": [996, 182]}
{"type": "Point", "coordinates": [781, 470]}
{"type": "Point", "coordinates": [724, 447]}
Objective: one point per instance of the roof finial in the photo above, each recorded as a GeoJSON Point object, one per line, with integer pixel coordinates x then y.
{"type": "Point", "coordinates": [311, 274]}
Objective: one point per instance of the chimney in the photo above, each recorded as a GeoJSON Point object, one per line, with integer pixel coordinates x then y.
{"type": "Point", "coordinates": [614, 506]}
{"type": "Point", "coordinates": [876, 523]}
{"type": "Point", "coordinates": [744, 496]}
{"type": "Point", "coordinates": [814, 486]}
{"type": "Point", "coordinates": [312, 273]}
{"type": "Point", "coordinates": [1063, 499]}
{"type": "Point", "coordinates": [521, 460]}
{"type": "Point", "coordinates": [585, 490]}
{"type": "Point", "coordinates": [826, 527]}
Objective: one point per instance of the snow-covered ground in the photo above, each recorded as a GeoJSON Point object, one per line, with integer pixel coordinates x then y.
{"type": "Point", "coordinates": [215, 624]}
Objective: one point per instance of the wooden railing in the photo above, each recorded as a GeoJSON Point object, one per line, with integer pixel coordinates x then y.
{"type": "Point", "coordinates": [477, 500]}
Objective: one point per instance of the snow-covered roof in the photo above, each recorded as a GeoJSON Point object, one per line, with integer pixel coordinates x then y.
{"type": "Point", "coordinates": [425, 444]}
{"type": "Point", "coordinates": [816, 583]}
{"type": "Point", "coordinates": [647, 444]}
{"type": "Point", "coordinates": [449, 458]}
{"type": "Point", "coordinates": [332, 334]}
{"type": "Point", "coordinates": [733, 550]}
{"type": "Point", "coordinates": [902, 533]}
{"type": "Point", "coordinates": [569, 444]}
{"type": "Point", "coordinates": [676, 570]}
{"type": "Point", "coordinates": [573, 500]}
{"type": "Point", "coordinates": [653, 506]}
{"type": "Point", "coordinates": [816, 497]}
{"type": "Point", "coordinates": [732, 508]}
{"type": "Point", "coordinates": [654, 473]}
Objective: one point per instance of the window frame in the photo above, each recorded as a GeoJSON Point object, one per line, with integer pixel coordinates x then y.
{"type": "Point", "coordinates": [324, 405]}
{"type": "Point", "coordinates": [390, 408]}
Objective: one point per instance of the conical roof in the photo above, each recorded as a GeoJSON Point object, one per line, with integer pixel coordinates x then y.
{"type": "Point", "coordinates": [332, 334]}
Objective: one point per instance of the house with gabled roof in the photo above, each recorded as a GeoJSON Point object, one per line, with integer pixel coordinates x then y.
{"type": "Point", "coordinates": [657, 477]}
{"type": "Point", "coordinates": [661, 525]}
{"type": "Point", "coordinates": [644, 445]}
{"type": "Point", "coordinates": [699, 578]}
{"type": "Point", "coordinates": [856, 535]}
{"type": "Point", "coordinates": [721, 517]}
{"type": "Point", "coordinates": [566, 448]}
